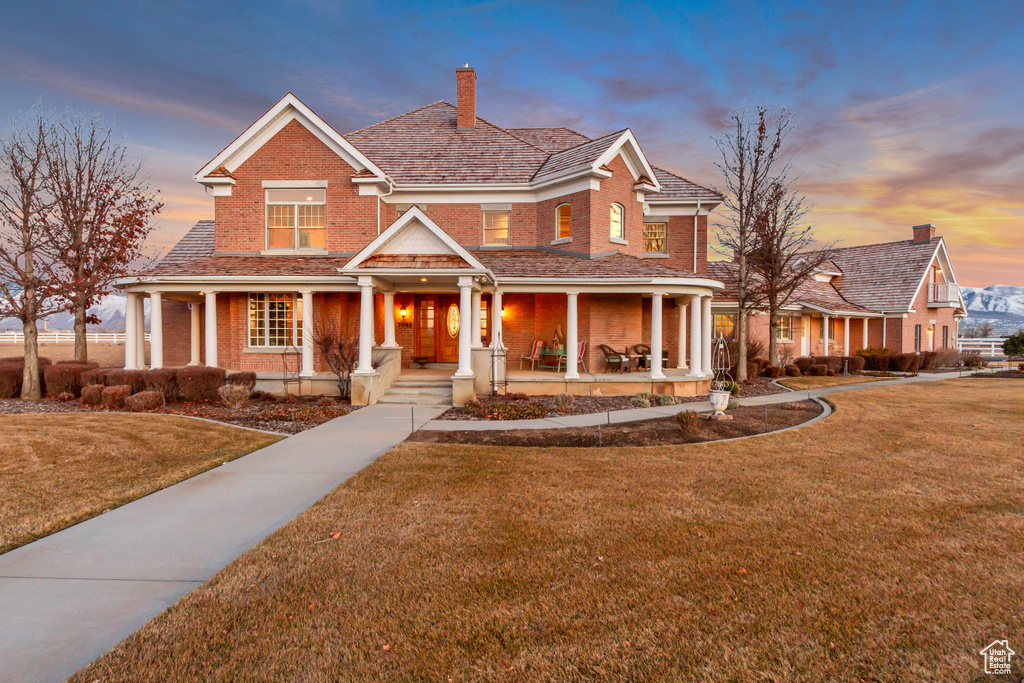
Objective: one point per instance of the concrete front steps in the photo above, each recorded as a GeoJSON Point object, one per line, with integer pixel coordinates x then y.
{"type": "Point", "coordinates": [420, 392]}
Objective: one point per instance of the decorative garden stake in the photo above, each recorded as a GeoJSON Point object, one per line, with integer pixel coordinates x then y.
{"type": "Point", "coordinates": [721, 382]}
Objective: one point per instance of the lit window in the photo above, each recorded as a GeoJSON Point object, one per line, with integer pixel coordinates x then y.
{"type": "Point", "coordinates": [617, 231]}
{"type": "Point", "coordinates": [296, 219]}
{"type": "Point", "coordinates": [275, 320]}
{"type": "Point", "coordinates": [563, 229]}
{"type": "Point", "coordinates": [724, 324]}
{"type": "Point", "coordinates": [654, 238]}
{"type": "Point", "coordinates": [784, 332]}
{"type": "Point", "coordinates": [831, 331]}
{"type": "Point", "coordinates": [496, 227]}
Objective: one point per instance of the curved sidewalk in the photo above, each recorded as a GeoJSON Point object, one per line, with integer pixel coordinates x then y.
{"type": "Point", "coordinates": [634, 414]}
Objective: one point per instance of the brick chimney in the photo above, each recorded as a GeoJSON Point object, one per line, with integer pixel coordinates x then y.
{"type": "Point", "coordinates": [923, 233]}
{"type": "Point", "coordinates": [465, 83]}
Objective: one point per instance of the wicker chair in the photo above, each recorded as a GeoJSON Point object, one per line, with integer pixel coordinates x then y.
{"type": "Point", "coordinates": [613, 360]}
{"type": "Point", "coordinates": [643, 351]}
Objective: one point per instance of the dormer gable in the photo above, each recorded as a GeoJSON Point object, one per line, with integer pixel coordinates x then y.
{"type": "Point", "coordinates": [414, 241]}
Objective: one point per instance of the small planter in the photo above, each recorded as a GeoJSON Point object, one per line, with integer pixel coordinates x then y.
{"type": "Point", "coordinates": [719, 400]}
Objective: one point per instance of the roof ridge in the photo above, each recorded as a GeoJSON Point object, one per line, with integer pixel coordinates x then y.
{"type": "Point", "coordinates": [569, 149]}
{"type": "Point", "coordinates": [676, 175]}
{"type": "Point", "coordinates": [525, 142]}
{"type": "Point", "coordinates": [883, 244]}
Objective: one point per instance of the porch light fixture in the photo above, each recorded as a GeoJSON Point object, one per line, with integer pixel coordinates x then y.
{"type": "Point", "coordinates": [938, 270]}
{"type": "Point", "coordinates": [503, 312]}
{"type": "Point", "coordinates": [402, 312]}
{"type": "Point", "coordinates": [423, 279]}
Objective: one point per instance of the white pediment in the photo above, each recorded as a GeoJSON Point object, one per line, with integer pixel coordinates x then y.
{"type": "Point", "coordinates": [414, 234]}
{"type": "Point", "coordinates": [416, 238]}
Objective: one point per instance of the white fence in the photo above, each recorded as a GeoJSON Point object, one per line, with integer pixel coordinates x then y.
{"type": "Point", "coordinates": [988, 347]}
{"type": "Point", "coordinates": [66, 337]}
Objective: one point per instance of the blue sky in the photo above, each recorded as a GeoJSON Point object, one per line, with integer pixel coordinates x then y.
{"type": "Point", "coordinates": [906, 112]}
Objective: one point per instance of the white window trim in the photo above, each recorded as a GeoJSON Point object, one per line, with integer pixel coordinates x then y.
{"type": "Point", "coordinates": [267, 348]}
{"type": "Point", "coordinates": [295, 249]}
{"type": "Point", "coordinates": [622, 224]}
{"type": "Point", "coordinates": [657, 254]}
{"type": "Point", "coordinates": [562, 240]}
{"type": "Point", "coordinates": [789, 339]}
{"type": "Point", "coordinates": [483, 221]}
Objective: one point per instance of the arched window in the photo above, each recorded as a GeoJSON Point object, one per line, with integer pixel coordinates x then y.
{"type": "Point", "coordinates": [618, 232]}
{"type": "Point", "coordinates": [563, 221]}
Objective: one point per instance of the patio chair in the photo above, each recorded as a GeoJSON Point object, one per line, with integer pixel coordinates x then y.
{"type": "Point", "coordinates": [581, 358]}
{"type": "Point", "coordinates": [534, 356]}
{"type": "Point", "coordinates": [643, 351]}
{"type": "Point", "coordinates": [613, 360]}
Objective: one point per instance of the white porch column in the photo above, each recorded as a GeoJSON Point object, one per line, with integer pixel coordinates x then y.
{"type": "Point", "coordinates": [140, 332]}
{"type": "Point", "coordinates": [846, 336]}
{"type": "Point", "coordinates": [131, 311]}
{"type": "Point", "coordinates": [465, 331]}
{"type": "Point", "coordinates": [657, 338]}
{"type": "Point", "coordinates": [389, 321]}
{"type": "Point", "coordinates": [695, 357]}
{"type": "Point", "coordinates": [477, 315]}
{"type": "Point", "coordinates": [681, 351]}
{"type": "Point", "coordinates": [495, 317]}
{"type": "Point", "coordinates": [572, 352]}
{"type": "Point", "coordinates": [824, 331]}
{"type": "Point", "coordinates": [307, 334]}
{"type": "Point", "coordinates": [196, 353]}
{"type": "Point", "coordinates": [864, 328]}
{"type": "Point", "coordinates": [365, 364]}
{"type": "Point", "coordinates": [156, 330]}
{"type": "Point", "coordinates": [705, 346]}
{"type": "Point", "coordinates": [211, 329]}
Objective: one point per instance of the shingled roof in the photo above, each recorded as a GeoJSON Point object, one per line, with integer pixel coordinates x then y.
{"type": "Point", "coordinates": [550, 139]}
{"type": "Point", "coordinates": [810, 292]}
{"type": "Point", "coordinates": [883, 276]}
{"type": "Point", "coordinates": [673, 186]}
{"type": "Point", "coordinates": [197, 243]}
{"type": "Point", "coordinates": [587, 153]}
{"type": "Point", "coordinates": [250, 266]}
{"type": "Point", "coordinates": [542, 263]}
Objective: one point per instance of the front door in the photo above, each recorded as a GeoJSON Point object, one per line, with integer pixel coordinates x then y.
{"type": "Point", "coordinates": [448, 322]}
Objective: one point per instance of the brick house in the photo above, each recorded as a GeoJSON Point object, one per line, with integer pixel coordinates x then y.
{"type": "Point", "coordinates": [898, 295]}
{"type": "Point", "coordinates": [437, 239]}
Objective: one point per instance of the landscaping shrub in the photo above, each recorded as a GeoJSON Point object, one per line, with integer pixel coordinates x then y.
{"type": "Point", "coordinates": [10, 380]}
{"type": "Point", "coordinates": [904, 362]}
{"type": "Point", "coordinates": [805, 364]}
{"type": "Point", "coordinates": [947, 358]}
{"type": "Point", "coordinates": [793, 371]}
{"type": "Point", "coordinates": [165, 381]}
{"type": "Point", "coordinates": [687, 421]}
{"type": "Point", "coordinates": [1013, 346]}
{"type": "Point", "coordinates": [733, 388]}
{"type": "Point", "coordinates": [563, 402]}
{"type": "Point", "coordinates": [833, 363]}
{"type": "Point", "coordinates": [136, 379]}
{"type": "Point", "coordinates": [144, 400]}
{"type": "Point", "coordinates": [733, 405]}
{"type": "Point", "coordinates": [855, 364]}
{"type": "Point", "coordinates": [115, 396]}
{"type": "Point", "coordinates": [500, 409]}
{"type": "Point", "coordinates": [65, 378]}
{"type": "Point", "coordinates": [245, 379]}
{"type": "Point", "coordinates": [928, 360]}
{"type": "Point", "coordinates": [818, 370]}
{"type": "Point", "coordinates": [198, 383]}
{"type": "Point", "coordinates": [233, 395]}
{"type": "Point", "coordinates": [665, 400]}
{"type": "Point", "coordinates": [323, 401]}
{"type": "Point", "coordinates": [90, 363]}
{"type": "Point", "coordinates": [883, 361]}
{"type": "Point", "coordinates": [20, 360]}
{"type": "Point", "coordinates": [92, 394]}
{"type": "Point", "coordinates": [640, 401]}
{"type": "Point", "coordinates": [973, 359]}
{"type": "Point", "coordinates": [97, 376]}
{"type": "Point", "coordinates": [773, 371]}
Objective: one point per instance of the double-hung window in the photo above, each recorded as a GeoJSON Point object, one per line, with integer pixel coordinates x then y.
{"type": "Point", "coordinates": [917, 339]}
{"type": "Point", "coordinates": [275, 319]}
{"type": "Point", "coordinates": [618, 231]}
{"type": "Point", "coordinates": [723, 324]}
{"type": "Point", "coordinates": [296, 219]}
{"type": "Point", "coordinates": [784, 332]}
{"type": "Point", "coordinates": [654, 238]}
{"type": "Point", "coordinates": [496, 227]}
{"type": "Point", "coordinates": [563, 222]}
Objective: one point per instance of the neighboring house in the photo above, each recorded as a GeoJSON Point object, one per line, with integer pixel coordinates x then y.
{"type": "Point", "coordinates": [431, 237]}
{"type": "Point", "coordinates": [898, 295]}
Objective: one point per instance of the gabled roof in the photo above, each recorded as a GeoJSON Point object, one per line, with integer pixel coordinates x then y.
{"type": "Point", "coordinates": [811, 293]}
{"type": "Point", "coordinates": [884, 276]}
{"type": "Point", "coordinates": [197, 243]}
{"type": "Point", "coordinates": [413, 234]}
{"type": "Point", "coordinates": [594, 155]}
{"type": "Point", "coordinates": [673, 187]}
{"type": "Point", "coordinates": [550, 139]}
{"type": "Point", "coordinates": [424, 147]}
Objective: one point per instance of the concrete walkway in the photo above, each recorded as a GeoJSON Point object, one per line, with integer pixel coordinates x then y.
{"type": "Point", "coordinates": [68, 598]}
{"type": "Point", "coordinates": [634, 414]}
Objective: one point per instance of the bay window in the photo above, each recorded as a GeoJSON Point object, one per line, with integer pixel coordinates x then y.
{"type": "Point", "coordinates": [296, 219]}
{"type": "Point", "coordinates": [275, 319]}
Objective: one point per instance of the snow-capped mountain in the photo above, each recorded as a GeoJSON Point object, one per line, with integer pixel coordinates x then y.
{"type": "Point", "coordinates": [109, 309]}
{"type": "Point", "coordinates": [1000, 305]}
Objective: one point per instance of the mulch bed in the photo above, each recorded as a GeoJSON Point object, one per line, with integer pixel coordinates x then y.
{"type": "Point", "coordinates": [657, 432]}
{"type": "Point", "coordinates": [272, 416]}
{"type": "Point", "coordinates": [583, 405]}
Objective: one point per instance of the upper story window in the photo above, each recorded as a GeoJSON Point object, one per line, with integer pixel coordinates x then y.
{"type": "Point", "coordinates": [496, 227]}
{"type": "Point", "coordinates": [654, 238]}
{"type": "Point", "coordinates": [563, 223]}
{"type": "Point", "coordinates": [618, 231]}
{"type": "Point", "coordinates": [296, 219]}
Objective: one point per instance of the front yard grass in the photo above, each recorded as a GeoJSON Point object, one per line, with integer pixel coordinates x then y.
{"type": "Point", "coordinates": [805, 383]}
{"type": "Point", "coordinates": [59, 469]}
{"type": "Point", "coordinates": [883, 543]}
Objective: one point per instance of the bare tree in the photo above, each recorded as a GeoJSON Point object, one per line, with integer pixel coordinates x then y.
{"type": "Point", "coordinates": [785, 256]}
{"type": "Point", "coordinates": [101, 216]}
{"type": "Point", "coordinates": [752, 163]}
{"type": "Point", "coordinates": [26, 261]}
{"type": "Point", "coordinates": [339, 350]}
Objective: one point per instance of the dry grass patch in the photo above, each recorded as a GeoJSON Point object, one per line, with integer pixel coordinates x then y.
{"type": "Point", "coordinates": [805, 383]}
{"type": "Point", "coordinates": [883, 543]}
{"type": "Point", "coordinates": [59, 469]}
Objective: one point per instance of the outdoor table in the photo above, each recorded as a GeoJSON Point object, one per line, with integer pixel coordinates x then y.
{"type": "Point", "coordinates": [549, 359]}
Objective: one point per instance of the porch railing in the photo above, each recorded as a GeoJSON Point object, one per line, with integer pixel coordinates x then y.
{"type": "Point", "coordinates": [943, 294]}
